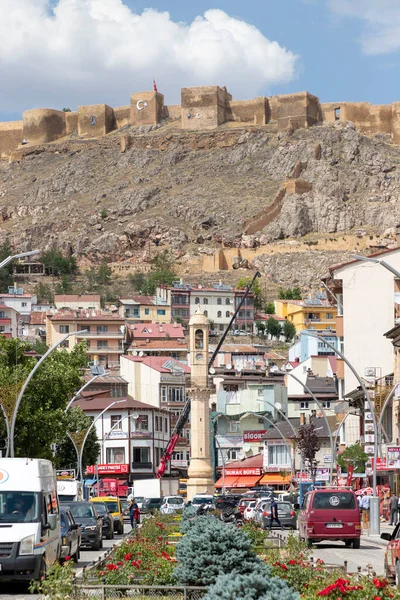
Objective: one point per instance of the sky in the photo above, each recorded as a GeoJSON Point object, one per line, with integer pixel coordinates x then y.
{"type": "Point", "coordinates": [66, 53]}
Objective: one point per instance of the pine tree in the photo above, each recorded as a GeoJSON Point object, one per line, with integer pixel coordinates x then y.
{"type": "Point", "coordinates": [252, 586]}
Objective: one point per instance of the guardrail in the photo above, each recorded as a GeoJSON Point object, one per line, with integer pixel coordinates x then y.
{"type": "Point", "coordinates": [139, 592]}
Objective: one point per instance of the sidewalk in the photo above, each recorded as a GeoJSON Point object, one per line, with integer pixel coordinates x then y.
{"type": "Point", "coordinates": [376, 539]}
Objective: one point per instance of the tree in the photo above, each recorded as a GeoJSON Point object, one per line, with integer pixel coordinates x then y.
{"type": "Point", "coordinates": [270, 308]}
{"type": "Point", "coordinates": [260, 326]}
{"type": "Point", "coordinates": [250, 586]}
{"type": "Point", "coordinates": [67, 110]}
{"type": "Point", "coordinates": [104, 274]}
{"type": "Point", "coordinates": [6, 279]}
{"type": "Point", "coordinates": [308, 443]}
{"type": "Point", "coordinates": [274, 327]}
{"type": "Point", "coordinates": [64, 286]}
{"type": "Point", "coordinates": [137, 280]}
{"type": "Point", "coordinates": [244, 282]}
{"type": "Point", "coordinates": [57, 264]}
{"type": "Point", "coordinates": [288, 330]}
{"type": "Point", "coordinates": [44, 292]}
{"type": "Point", "coordinates": [65, 456]}
{"type": "Point", "coordinates": [41, 420]}
{"type": "Point", "coordinates": [353, 455]}
{"type": "Point", "coordinates": [290, 294]}
{"type": "Point", "coordinates": [211, 548]}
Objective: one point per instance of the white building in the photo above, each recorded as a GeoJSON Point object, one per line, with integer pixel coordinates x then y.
{"type": "Point", "coordinates": [20, 302]}
{"type": "Point", "coordinates": [8, 321]}
{"type": "Point", "coordinates": [77, 301]}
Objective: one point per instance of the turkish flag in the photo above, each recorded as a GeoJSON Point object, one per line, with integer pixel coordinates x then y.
{"type": "Point", "coordinates": [154, 86]}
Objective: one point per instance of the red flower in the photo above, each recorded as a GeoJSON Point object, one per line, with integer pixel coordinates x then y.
{"type": "Point", "coordinates": [67, 558]}
{"type": "Point", "coordinates": [128, 556]}
{"type": "Point", "coordinates": [112, 567]}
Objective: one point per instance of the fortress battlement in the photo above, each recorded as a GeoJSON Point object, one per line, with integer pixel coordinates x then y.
{"type": "Point", "coordinates": [202, 108]}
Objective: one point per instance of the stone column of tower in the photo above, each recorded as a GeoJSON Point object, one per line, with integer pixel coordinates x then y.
{"type": "Point", "coordinates": [200, 471]}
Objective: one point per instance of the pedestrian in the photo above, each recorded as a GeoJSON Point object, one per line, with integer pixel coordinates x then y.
{"type": "Point", "coordinates": [274, 515]}
{"type": "Point", "coordinates": [365, 508]}
{"type": "Point", "coordinates": [134, 513]}
{"type": "Point", "coordinates": [393, 505]}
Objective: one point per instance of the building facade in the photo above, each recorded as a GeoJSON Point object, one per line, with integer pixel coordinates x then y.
{"type": "Point", "coordinates": [147, 309]}
{"type": "Point", "coordinates": [312, 313]}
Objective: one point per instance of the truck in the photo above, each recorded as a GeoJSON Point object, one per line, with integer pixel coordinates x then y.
{"type": "Point", "coordinates": [69, 489]}
{"type": "Point", "coordinates": [154, 488]}
{"type": "Point", "coordinates": [30, 534]}
{"type": "Point", "coordinates": [108, 486]}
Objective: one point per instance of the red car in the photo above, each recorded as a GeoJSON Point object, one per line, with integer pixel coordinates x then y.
{"type": "Point", "coordinates": [392, 555]}
{"type": "Point", "coordinates": [330, 514]}
{"type": "Point", "coordinates": [244, 503]}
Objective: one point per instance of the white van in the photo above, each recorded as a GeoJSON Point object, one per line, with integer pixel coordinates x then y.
{"type": "Point", "coordinates": [30, 538]}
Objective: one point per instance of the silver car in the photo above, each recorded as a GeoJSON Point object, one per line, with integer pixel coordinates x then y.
{"type": "Point", "coordinates": [259, 509]}
{"type": "Point", "coordinates": [286, 514]}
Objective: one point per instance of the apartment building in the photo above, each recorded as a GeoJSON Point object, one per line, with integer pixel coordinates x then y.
{"type": "Point", "coordinates": [20, 302]}
{"type": "Point", "coordinates": [157, 339]}
{"type": "Point", "coordinates": [8, 321]}
{"type": "Point", "coordinates": [308, 346]}
{"type": "Point", "coordinates": [316, 313]}
{"type": "Point", "coordinates": [146, 309]}
{"type": "Point", "coordinates": [77, 302]}
{"type": "Point", "coordinates": [104, 334]}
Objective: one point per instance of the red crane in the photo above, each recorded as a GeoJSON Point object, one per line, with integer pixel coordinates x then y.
{"type": "Point", "coordinates": [184, 415]}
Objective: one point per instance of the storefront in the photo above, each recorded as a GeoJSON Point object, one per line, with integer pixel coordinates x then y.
{"type": "Point", "coordinates": [242, 474]}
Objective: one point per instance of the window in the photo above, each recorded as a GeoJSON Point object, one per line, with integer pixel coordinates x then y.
{"type": "Point", "coordinates": [141, 423]}
{"type": "Point", "coordinates": [141, 455]}
{"type": "Point", "coordinates": [339, 301]}
{"type": "Point", "coordinates": [329, 315]}
{"type": "Point", "coordinates": [176, 394]}
{"type": "Point", "coordinates": [227, 314]}
{"type": "Point", "coordinates": [219, 300]}
{"type": "Point", "coordinates": [341, 344]}
{"type": "Point", "coordinates": [87, 342]}
{"type": "Point", "coordinates": [102, 344]}
{"type": "Point", "coordinates": [24, 304]}
{"type": "Point", "coordinates": [260, 392]}
{"type": "Point", "coordinates": [206, 313]}
{"type": "Point", "coordinates": [115, 455]}
{"type": "Point", "coordinates": [303, 404]}
{"type": "Point", "coordinates": [337, 113]}
{"type": "Point", "coordinates": [197, 300]}
{"type": "Point", "coordinates": [114, 420]}
{"type": "Point", "coordinates": [326, 404]}
{"type": "Point", "coordinates": [205, 300]}
{"type": "Point", "coordinates": [64, 344]}
{"type": "Point", "coordinates": [146, 311]}
{"type": "Point", "coordinates": [163, 393]}
{"type": "Point", "coordinates": [199, 339]}
{"type": "Point", "coordinates": [64, 328]}
{"type": "Point", "coordinates": [102, 328]}
{"type": "Point", "coordinates": [234, 426]}
{"type": "Point", "coordinates": [2, 328]}
{"type": "Point", "coordinates": [166, 424]}
{"type": "Point", "coordinates": [232, 454]}
{"type": "Point", "coordinates": [161, 312]}
{"type": "Point", "coordinates": [2, 314]}
{"type": "Point", "coordinates": [227, 301]}
{"type": "Point", "coordinates": [160, 423]}
{"type": "Point", "coordinates": [219, 314]}
{"type": "Point", "coordinates": [135, 313]}
{"type": "Point", "coordinates": [156, 423]}
{"type": "Point", "coordinates": [278, 455]}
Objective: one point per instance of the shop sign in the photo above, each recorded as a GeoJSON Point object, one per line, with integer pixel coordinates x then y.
{"type": "Point", "coordinates": [65, 474]}
{"type": "Point", "coordinates": [230, 440]}
{"type": "Point", "coordinates": [321, 475]}
{"type": "Point", "coordinates": [327, 458]}
{"type": "Point", "coordinates": [277, 469]}
{"type": "Point", "coordinates": [393, 457]}
{"type": "Point", "coordinates": [381, 464]}
{"type": "Point", "coordinates": [116, 433]}
{"type": "Point", "coordinates": [253, 436]}
{"type": "Point", "coordinates": [110, 469]}
{"type": "Point", "coordinates": [255, 471]}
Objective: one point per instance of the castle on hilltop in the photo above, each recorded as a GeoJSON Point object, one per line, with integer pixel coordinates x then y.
{"type": "Point", "coordinates": [201, 108]}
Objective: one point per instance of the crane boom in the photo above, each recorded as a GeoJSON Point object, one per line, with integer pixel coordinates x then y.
{"type": "Point", "coordinates": [184, 415]}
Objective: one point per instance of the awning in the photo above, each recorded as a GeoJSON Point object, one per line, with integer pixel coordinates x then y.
{"type": "Point", "coordinates": [228, 482]}
{"type": "Point", "coordinates": [90, 481]}
{"type": "Point", "coordinates": [274, 478]}
{"type": "Point", "coordinates": [247, 481]}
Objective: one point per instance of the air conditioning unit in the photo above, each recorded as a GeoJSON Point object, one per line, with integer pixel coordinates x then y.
{"type": "Point", "coordinates": [371, 371]}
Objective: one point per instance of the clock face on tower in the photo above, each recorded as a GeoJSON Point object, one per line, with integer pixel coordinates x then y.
{"type": "Point", "coordinates": [199, 356]}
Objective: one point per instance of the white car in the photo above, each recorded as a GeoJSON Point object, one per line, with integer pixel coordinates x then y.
{"type": "Point", "coordinates": [249, 511]}
{"type": "Point", "coordinates": [171, 504]}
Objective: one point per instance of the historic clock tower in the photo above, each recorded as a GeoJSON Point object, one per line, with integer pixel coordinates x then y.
{"type": "Point", "coordinates": [200, 470]}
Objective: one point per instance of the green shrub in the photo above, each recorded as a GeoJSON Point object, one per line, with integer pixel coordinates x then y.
{"type": "Point", "coordinates": [212, 548]}
{"type": "Point", "coordinates": [253, 586]}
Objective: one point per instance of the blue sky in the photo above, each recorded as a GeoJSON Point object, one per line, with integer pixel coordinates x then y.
{"type": "Point", "coordinates": [98, 50]}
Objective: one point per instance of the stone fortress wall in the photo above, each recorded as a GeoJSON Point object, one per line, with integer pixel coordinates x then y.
{"type": "Point", "coordinates": [202, 108]}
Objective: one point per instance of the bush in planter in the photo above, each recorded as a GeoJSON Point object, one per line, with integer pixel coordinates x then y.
{"type": "Point", "coordinates": [211, 548]}
{"type": "Point", "coordinates": [252, 586]}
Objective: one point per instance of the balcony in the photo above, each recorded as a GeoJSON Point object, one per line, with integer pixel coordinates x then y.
{"type": "Point", "coordinates": [106, 349]}
{"type": "Point", "coordinates": [179, 463]}
{"type": "Point", "coordinates": [183, 441]}
{"type": "Point", "coordinates": [141, 434]}
{"type": "Point", "coordinates": [142, 465]}
{"type": "Point", "coordinates": [101, 334]}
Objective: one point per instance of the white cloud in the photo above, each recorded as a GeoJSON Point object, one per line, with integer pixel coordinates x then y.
{"type": "Point", "coordinates": [92, 51]}
{"type": "Point", "coordinates": [382, 17]}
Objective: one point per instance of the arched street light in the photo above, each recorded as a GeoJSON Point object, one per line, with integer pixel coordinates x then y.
{"type": "Point", "coordinates": [374, 502]}
{"type": "Point", "coordinates": [7, 260]}
{"type": "Point", "coordinates": [26, 383]}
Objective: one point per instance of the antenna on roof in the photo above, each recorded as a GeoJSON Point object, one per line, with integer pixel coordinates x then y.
{"type": "Point", "coordinates": [228, 366]}
{"type": "Point", "coordinates": [141, 353]}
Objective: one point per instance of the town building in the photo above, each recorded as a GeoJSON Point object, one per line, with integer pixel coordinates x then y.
{"type": "Point", "coordinates": [20, 302]}
{"type": "Point", "coordinates": [8, 322]}
{"type": "Point", "coordinates": [307, 346]}
{"type": "Point", "coordinates": [132, 435]}
{"type": "Point", "coordinates": [104, 334]}
{"type": "Point", "coordinates": [34, 327]}
{"type": "Point", "coordinates": [241, 474]}
{"type": "Point", "coordinates": [315, 313]}
{"type": "Point", "coordinates": [145, 309]}
{"type": "Point", "coordinates": [240, 356]}
{"type": "Point", "coordinates": [77, 302]}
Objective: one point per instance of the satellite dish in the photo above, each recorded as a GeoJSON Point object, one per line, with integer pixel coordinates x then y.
{"type": "Point", "coordinates": [134, 416]}
{"type": "Point", "coordinates": [134, 353]}
{"type": "Point", "coordinates": [212, 371]}
{"type": "Point", "coordinates": [149, 330]}
{"type": "Point", "coordinates": [200, 286]}
{"type": "Point", "coordinates": [239, 368]}
{"type": "Point", "coordinates": [141, 353]}
{"type": "Point", "coordinates": [246, 448]}
{"type": "Point", "coordinates": [278, 405]}
{"type": "Point", "coordinates": [228, 366]}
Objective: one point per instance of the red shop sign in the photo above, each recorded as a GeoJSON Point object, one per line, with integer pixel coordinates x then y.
{"type": "Point", "coordinates": [256, 471]}
{"type": "Point", "coordinates": [253, 436]}
{"type": "Point", "coordinates": [109, 469]}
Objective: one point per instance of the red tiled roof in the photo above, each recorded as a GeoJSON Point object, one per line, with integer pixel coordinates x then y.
{"type": "Point", "coordinates": [253, 462]}
{"type": "Point", "coordinates": [333, 363]}
{"type": "Point", "coordinates": [5, 307]}
{"type": "Point", "coordinates": [76, 298]}
{"type": "Point", "coordinates": [265, 317]}
{"type": "Point", "coordinates": [145, 300]}
{"type": "Point", "coordinates": [38, 318]}
{"type": "Point", "coordinates": [152, 330]}
{"type": "Point", "coordinates": [100, 403]}
{"type": "Point", "coordinates": [15, 295]}
{"type": "Point", "coordinates": [157, 362]}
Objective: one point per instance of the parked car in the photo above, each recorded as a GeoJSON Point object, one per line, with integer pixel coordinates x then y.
{"type": "Point", "coordinates": [108, 521]}
{"type": "Point", "coordinates": [392, 554]}
{"type": "Point", "coordinates": [259, 509]}
{"type": "Point", "coordinates": [204, 500]}
{"type": "Point", "coordinates": [228, 500]}
{"type": "Point", "coordinates": [150, 505]}
{"type": "Point", "coordinates": [125, 510]}
{"type": "Point", "coordinates": [70, 535]}
{"type": "Point", "coordinates": [249, 511]}
{"type": "Point", "coordinates": [91, 523]}
{"type": "Point", "coordinates": [171, 504]}
{"type": "Point", "coordinates": [244, 503]}
{"type": "Point", "coordinates": [139, 501]}
{"type": "Point", "coordinates": [114, 506]}
{"type": "Point", "coordinates": [330, 514]}
{"type": "Point", "coordinates": [286, 515]}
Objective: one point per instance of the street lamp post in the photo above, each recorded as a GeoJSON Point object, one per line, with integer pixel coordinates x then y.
{"type": "Point", "coordinates": [374, 502]}
{"type": "Point", "coordinates": [281, 435]}
{"type": "Point", "coordinates": [83, 388]}
{"type": "Point", "coordinates": [7, 260]}
{"type": "Point", "coordinates": [307, 389]}
{"type": "Point", "coordinates": [28, 379]}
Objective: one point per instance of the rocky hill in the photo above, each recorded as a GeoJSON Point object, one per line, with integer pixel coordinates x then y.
{"type": "Point", "coordinates": [192, 193]}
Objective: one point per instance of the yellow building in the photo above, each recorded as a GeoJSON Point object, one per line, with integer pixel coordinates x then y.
{"type": "Point", "coordinates": [312, 313]}
{"type": "Point", "coordinates": [145, 309]}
